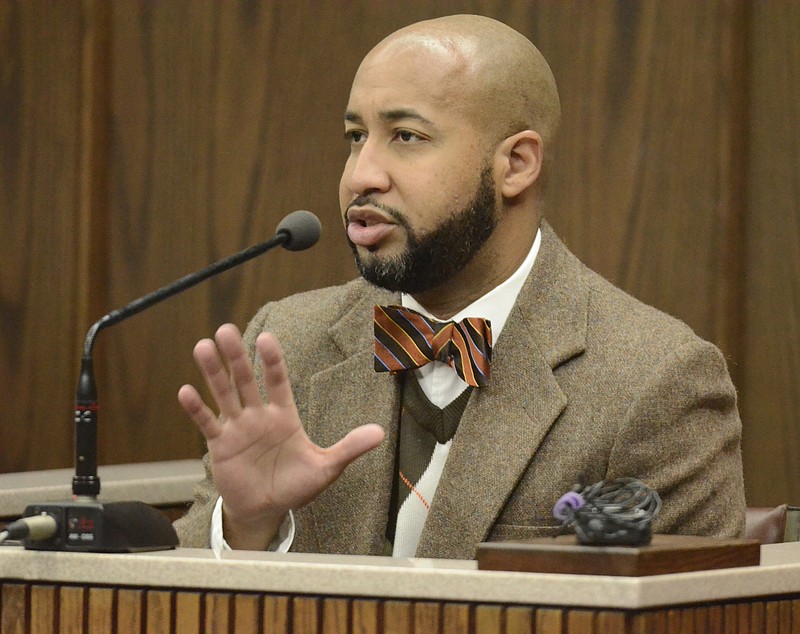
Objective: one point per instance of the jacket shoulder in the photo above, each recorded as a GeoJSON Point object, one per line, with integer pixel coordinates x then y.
{"type": "Point", "coordinates": [316, 309]}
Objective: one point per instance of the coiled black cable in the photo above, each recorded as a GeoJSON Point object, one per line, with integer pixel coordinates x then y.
{"type": "Point", "coordinates": [618, 512]}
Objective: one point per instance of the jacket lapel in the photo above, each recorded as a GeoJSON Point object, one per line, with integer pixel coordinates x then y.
{"type": "Point", "coordinates": [505, 422]}
{"type": "Point", "coordinates": [350, 516]}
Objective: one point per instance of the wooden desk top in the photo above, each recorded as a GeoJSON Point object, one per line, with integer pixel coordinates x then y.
{"type": "Point", "coordinates": [328, 575]}
{"type": "Point", "coordinates": [331, 575]}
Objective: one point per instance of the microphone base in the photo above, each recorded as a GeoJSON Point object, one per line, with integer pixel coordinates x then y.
{"type": "Point", "coordinates": [112, 527]}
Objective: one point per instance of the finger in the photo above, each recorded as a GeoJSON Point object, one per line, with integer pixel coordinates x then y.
{"type": "Point", "coordinates": [199, 412]}
{"type": "Point", "coordinates": [229, 341]}
{"type": "Point", "coordinates": [276, 376]}
{"type": "Point", "coordinates": [355, 444]}
{"type": "Point", "coordinates": [217, 377]}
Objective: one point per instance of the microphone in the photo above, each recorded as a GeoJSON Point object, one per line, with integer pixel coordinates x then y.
{"type": "Point", "coordinates": [301, 230]}
{"type": "Point", "coordinates": [84, 524]}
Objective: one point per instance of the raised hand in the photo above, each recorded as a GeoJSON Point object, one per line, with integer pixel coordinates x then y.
{"type": "Point", "coordinates": [262, 461]}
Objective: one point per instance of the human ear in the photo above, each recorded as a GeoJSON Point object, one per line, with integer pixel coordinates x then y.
{"type": "Point", "coordinates": [520, 157]}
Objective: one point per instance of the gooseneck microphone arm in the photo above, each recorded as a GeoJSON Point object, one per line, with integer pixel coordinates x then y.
{"type": "Point", "coordinates": [297, 231]}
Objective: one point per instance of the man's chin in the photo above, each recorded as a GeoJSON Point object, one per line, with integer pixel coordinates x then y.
{"type": "Point", "coordinates": [372, 261]}
{"type": "Point", "coordinates": [378, 254]}
{"type": "Point", "coordinates": [384, 272]}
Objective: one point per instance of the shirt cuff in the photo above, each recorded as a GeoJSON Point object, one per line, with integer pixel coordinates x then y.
{"type": "Point", "coordinates": [279, 544]}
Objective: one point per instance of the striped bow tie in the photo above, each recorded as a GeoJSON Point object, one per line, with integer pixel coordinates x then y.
{"type": "Point", "coordinates": [406, 340]}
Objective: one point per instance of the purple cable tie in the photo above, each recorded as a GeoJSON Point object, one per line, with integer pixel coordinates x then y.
{"type": "Point", "coordinates": [571, 500]}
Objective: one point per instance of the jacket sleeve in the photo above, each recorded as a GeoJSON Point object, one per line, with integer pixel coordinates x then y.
{"type": "Point", "coordinates": [194, 528]}
{"type": "Point", "coordinates": [682, 437]}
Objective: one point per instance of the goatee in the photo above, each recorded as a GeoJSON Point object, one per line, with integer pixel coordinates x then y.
{"type": "Point", "coordinates": [431, 258]}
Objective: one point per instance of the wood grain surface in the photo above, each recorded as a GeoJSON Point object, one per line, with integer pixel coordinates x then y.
{"type": "Point", "coordinates": [47, 608]}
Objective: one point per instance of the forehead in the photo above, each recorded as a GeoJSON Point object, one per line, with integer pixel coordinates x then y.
{"type": "Point", "coordinates": [427, 76]}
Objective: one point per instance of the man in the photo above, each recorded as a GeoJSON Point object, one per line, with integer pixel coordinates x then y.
{"type": "Point", "coordinates": [451, 125]}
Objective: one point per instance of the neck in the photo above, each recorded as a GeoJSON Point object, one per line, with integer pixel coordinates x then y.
{"type": "Point", "coordinates": [490, 267]}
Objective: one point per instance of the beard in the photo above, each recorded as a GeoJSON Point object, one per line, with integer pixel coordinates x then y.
{"type": "Point", "coordinates": [431, 258]}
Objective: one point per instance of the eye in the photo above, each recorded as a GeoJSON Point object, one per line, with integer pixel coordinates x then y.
{"type": "Point", "coordinates": [407, 136]}
{"type": "Point", "coordinates": [356, 137]}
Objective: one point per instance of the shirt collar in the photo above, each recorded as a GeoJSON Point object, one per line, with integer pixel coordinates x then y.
{"type": "Point", "coordinates": [495, 305]}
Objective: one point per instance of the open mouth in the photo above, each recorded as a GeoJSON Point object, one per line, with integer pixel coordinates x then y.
{"type": "Point", "coordinates": [367, 228]}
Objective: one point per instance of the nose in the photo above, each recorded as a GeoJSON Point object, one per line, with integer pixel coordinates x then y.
{"type": "Point", "coordinates": [366, 171]}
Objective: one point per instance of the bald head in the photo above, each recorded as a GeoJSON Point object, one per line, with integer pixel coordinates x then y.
{"type": "Point", "coordinates": [449, 123]}
{"type": "Point", "coordinates": [492, 73]}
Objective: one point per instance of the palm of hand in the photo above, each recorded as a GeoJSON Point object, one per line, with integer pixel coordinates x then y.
{"type": "Point", "coordinates": [262, 461]}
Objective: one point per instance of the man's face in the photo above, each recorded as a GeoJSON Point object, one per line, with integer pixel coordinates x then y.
{"type": "Point", "coordinates": [417, 193]}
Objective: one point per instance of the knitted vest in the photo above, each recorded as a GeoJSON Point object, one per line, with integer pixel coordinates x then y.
{"type": "Point", "coordinates": [425, 436]}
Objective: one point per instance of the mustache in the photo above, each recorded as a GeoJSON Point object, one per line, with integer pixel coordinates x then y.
{"type": "Point", "coordinates": [369, 201]}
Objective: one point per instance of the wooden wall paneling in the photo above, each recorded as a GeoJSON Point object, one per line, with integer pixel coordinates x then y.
{"type": "Point", "coordinates": [640, 188]}
{"type": "Point", "coordinates": [737, 617]}
{"type": "Point", "coordinates": [160, 118]}
{"type": "Point", "coordinates": [427, 616]}
{"type": "Point", "coordinates": [70, 608]}
{"type": "Point", "coordinates": [188, 611]}
{"type": "Point", "coordinates": [701, 618]}
{"type": "Point", "coordinates": [306, 614]}
{"type": "Point", "coordinates": [715, 619]}
{"type": "Point", "coordinates": [92, 230]}
{"type": "Point", "coordinates": [730, 216]}
{"type": "Point", "coordinates": [771, 390]}
{"type": "Point", "coordinates": [158, 611]}
{"type": "Point", "coordinates": [40, 61]}
{"type": "Point", "coordinates": [336, 615]}
{"type": "Point", "coordinates": [758, 616]}
{"type": "Point", "coordinates": [102, 611]}
{"type": "Point", "coordinates": [365, 616]}
{"type": "Point", "coordinates": [649, 622]}
{"type": "Point", "coordinates": [276, 614]}
{"type": "Point", "coordinates": [398, 617]}
{"type": "Point", "coordinates": [44, 618]}
{"type": "Point", "coordinates": [772, 618]}
{"type": "Point", "coordinates": [679, 620]}
{"type": "Point", "coordinates": [217, 612]}
{"type": "Point", "coordinates": [488, 619]}
{"type": "Point", "coordinates": [785, 615]}
{"type": "Point", "coordinates": [14, 608]}
{"type": "Point", "coordinates": [732, 620]}
{"type": "Point", "coordinates": [247, 613]}
{"type": "Point", "coordinates": [580, 621]}
{"type": "Point", "coordinates": [548, 621]}
{"type": "Point", "coordinates": [519, 620]}
{"type": "Point", "coordinates": [609, 621]}
{"type": "Point", "coordinates": [456, 617]}
{"type": "Point", "coordinates": [44, 608]}
{"type": "Point", "coordinates": [129, 608]}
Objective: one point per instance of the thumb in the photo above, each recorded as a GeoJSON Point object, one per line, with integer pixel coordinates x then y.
{"type": "Point", "coordinates": [356, 443]}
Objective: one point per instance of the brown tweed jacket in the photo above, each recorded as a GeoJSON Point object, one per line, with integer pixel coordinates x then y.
{"type": "Point", "coordinates": [587, 384]}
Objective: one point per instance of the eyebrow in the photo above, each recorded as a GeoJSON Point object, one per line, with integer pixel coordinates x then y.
{"type": "Point", "coordinates": [390, 116]}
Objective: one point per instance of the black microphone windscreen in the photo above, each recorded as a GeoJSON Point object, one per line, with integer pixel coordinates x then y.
{"type": "Point", "coordinates": [302, 229]}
